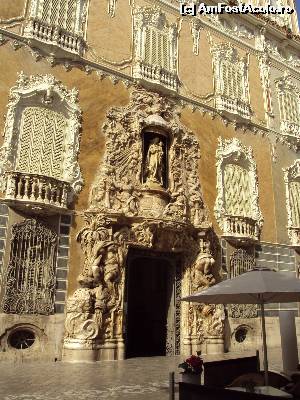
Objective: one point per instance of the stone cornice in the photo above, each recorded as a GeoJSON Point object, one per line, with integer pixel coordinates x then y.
{"type": "Point", "coordinates": [18, 41]}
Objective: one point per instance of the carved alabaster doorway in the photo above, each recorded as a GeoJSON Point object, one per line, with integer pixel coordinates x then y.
{"type": "Point", "coordinates": [146, 196]}
{"type": "Point", "coordinates": [152, 301]}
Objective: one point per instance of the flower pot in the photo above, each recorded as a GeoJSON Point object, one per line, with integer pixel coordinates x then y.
{"type": "Point", "coordinates": [195, 379]}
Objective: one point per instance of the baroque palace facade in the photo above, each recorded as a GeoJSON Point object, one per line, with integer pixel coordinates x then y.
{"type": "Point", "coordinates": [145, 155]}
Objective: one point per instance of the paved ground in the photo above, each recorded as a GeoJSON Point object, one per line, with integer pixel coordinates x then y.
{"type": "Point", "coordinates": [139, 378]}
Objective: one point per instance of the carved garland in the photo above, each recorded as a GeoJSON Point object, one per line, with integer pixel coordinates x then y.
{"type": "Point", "coordinates": [231, 151]}
{"type": "Point", "coordinates": [46, 92]}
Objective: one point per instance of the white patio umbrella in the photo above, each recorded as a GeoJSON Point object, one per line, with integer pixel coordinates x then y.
{"type": "Point", "coordinates": [258, 286]}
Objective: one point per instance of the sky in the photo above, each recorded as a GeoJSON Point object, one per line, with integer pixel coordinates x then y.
{"type": "Point", "coordinates": [298, 8]}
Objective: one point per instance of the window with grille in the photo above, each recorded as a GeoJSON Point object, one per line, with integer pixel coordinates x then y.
{"type": "Point", "coordinates": [41, 142]}
{"type": "Point", "coordinates": [294, 188]}
{"type": "Point", "coordinates": [289, 107]}
{"type": "Point", "coordinates": [30, 274]}
{"type": "Point", "coordinates": [61, 13]}
{"type": "Point", "coordinates": [232, 79]}
{"type": "Point", "coordinates": [238, 193]}
{"type": "Point", "coordinates": [157, 48]}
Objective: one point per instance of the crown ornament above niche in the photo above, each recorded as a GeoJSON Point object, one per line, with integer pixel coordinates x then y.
{"type": "Point", "coordinates": [150, 168]}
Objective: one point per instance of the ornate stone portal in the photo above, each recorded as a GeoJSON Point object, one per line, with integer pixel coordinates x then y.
{"type": "Point", "coordinates": [146, 196]}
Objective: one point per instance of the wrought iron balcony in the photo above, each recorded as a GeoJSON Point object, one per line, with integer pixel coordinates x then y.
{"type": "Point", "coordinates": [233, 106]}
{"type": "Point", "coordinates": [54, 35]}
{"type": "Point", "coordinates": [155, 74]}
{"type": "Point", "coordinates": [240, 228]}
{"type": "Point", "coordinates": [294, 234]}
{"type": "Point", "coordinates": [36, 191]}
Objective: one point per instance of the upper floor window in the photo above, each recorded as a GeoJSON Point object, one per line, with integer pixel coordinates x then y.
{"type": "Point", "coordinates": [155, 47]}
{"type": "Point", "coordinates": [237, 208]}
{"type": "Point", "coordinates": [231, 81]}
{"type": "Point", "coordinates": [59, 22]}
{"type": "Point", "coordinates": [41, 142]}
{"type": "Point", "coordinates": [289, 106]}
{"type": "Point", "coordinates": [292, 184]}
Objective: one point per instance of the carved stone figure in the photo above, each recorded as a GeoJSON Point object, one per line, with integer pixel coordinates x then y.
{"type": "Point", "coordinates": [80, 324]}
{"type": "Point", "coordinates": [202, 272]}
{"type": "Point", "coordinates": [214, 319]}
{"type": "Point", "coordinates": [154, 163]}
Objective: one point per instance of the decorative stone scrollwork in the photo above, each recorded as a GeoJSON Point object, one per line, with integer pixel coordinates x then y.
{"type": "Point", "coordinates": [41, 105]}
{"type": "Point", "coordinates": [79, 324]}
{"type": "Point", "coordinates": [264, 67]}
{"type": "Point", "coordinates": [236, 208]}
{"type": "Point", "coordinates": [119, 186]}
{"type": "Point", "coordinates": [292, 185]}
{"type": "Point", "coordinates": [94, 311]}
{"type": "Point", "coordinates": [111, 7]}
{"type": "Point", "coordinates": [195, 30]}
{"type": "Point", "coordinates": [146, 196]}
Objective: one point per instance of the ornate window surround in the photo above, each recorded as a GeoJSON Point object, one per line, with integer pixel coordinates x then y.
{"type": "Point", "coordinates": [292, 174]}
{"type": "Point", "coordinates": [285, 87]}
{"type": "Point", "coordinates": [237, 228]}
{"type": "Point", "coordinates": [152, 17]}
{"type": "Point", "coordinates": [40, 31]}
{"type": "Point", "coordinates": [239, 107]}
{"type": "Point", "coordinates": [47, 92]}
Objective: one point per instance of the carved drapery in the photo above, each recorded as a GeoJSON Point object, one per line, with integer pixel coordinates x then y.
{"type": "Point", "coordinates": [236, 208]}
{"type": "Point", "coordinates": [42, 131]}
{"type": "Point", "coordinates": [29, 278]}
{"type": "Point", "coordinates": [240, 262]}
{"type": "Point", "coordinates": [292, 186]}
{"type": "Point", "coordinates": [127, 211]}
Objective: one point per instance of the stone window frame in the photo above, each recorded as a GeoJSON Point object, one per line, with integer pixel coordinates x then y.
{"type": "Point", "coordinates": [43, 91]}
{"type": "Point", "coordinates": [231, 151]}
{"type": "Point", "coordinates": [224, 55]}
{"type": "Point", "coordinates": [152, 18]}
{"type": "Point", "coordinates": [286, 88]}
{"type": "Point", "coordinates": [291, 174]}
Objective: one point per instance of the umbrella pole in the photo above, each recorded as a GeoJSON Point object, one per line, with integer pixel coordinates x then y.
{"type": "Point", "coordinates": [263, 325]}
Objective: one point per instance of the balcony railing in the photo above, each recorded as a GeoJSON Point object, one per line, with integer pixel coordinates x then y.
{"type": "Point", "coordinates": [156, 74]}
{"type": "Point", "coordinates": [240, 228]}
{"type": "Point", "coordinates": [55, 35]}
{"type": "Point", "coordinates": [294, 234]}
{"type": "Point", "coordinates": [34, 189]}
{"type": "Point", "coordinates": [233, 106]}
